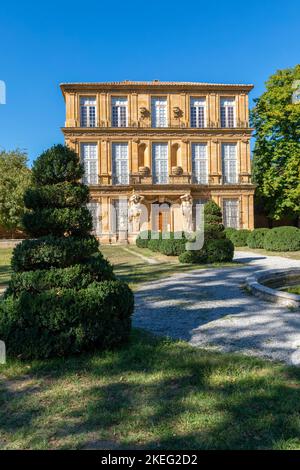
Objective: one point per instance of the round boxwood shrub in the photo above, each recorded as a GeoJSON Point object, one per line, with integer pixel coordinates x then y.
{"type": "Point", "coordinates": [59, 195]}
{"type": "Point", "coordinates": [256, 237]}
{"type": "Point", "coordinates": [216, 248]}
{"type": "Point", "coordinates": [282, 239]}
{"type": "Point", "coordinates": [193, 257]}
{"type": "Point", "coordinates": [63, 297]}
{"type": "Point", "coordinates": [219, 251]}
{"type": "Point", "coordinates": [58, 322]}
{"type": "Point", "coordinates": [238, 237]}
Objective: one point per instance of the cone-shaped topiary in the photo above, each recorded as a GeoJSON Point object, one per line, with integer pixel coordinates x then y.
{"type": "Point", "coordinates": [63, 297]}
{"type": "Point", "coordinates": [217, 248]}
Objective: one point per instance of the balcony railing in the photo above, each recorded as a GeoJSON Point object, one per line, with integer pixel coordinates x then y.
{"type": "Point", "coordinates": [137, 179]}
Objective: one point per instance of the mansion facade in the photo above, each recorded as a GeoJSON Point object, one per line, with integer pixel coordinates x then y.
{"type": "Point", "coordinates": [161, 143]}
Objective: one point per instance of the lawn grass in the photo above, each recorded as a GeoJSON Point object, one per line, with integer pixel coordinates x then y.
{"type": "Point", "coordinates": [127, 265]}
{"type": "Point", "coordinates": [151, 394]}
{"type": "Point", "coordinates": [293, 290]}
{"type": "Point", "coordinates": [134, 270]}
{"type": "Point", "coordinates": [260, 251]}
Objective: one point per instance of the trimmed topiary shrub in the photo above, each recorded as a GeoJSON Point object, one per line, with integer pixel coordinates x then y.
{"type": "Point", "coordinates": [172, 247]}
{"type": "Point", "coordinates": [216, 247]}
{"type": "Point", "coordinates": [256, 237]}
{"type": "Point", "coordinates": [193, 257]}
{"type": "Point", "coordinates": [63, 297]}
{"type": "Point", "coordinates": [238, 237]}
{"type": "Point", "coordinates": [282, 239]}
{"type": "Point", "coordinates": [219, 251]}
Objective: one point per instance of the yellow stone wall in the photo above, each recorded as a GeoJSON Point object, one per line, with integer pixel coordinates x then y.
{"type": "Point", "coordinates": [140, 135]}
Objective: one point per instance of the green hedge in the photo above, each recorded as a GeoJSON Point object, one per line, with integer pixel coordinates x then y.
{"type": "Point", "coordinates": [58, 221]}
{"type": "Point", "coordinates": [60, 195]}
{"type": "Point", "coordinates": [172, 247]}
{"type": "Point", "coordinates": [282, 239]}
{"type": "Point", "coordinates": [78, 276]}
{"type": "Point", "coordinates": [193, 257]}
{"type": "Point", "coordinates": [47, 252]}
{"type": "Point", "coordinates": [238, 237]}
{"type": "Point", "coordinates": [66, 321]}
{"type": "Point", "coordinates": [219, 251]}
{"type": "Point", "coordinates": [143, 239]}
{"type": "Point", "coordinates": [256, 237]}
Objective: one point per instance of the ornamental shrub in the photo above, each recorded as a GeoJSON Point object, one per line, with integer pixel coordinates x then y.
{"type": "Point", "coordinates": [143, 239]}
{"type": "Point", "coordinates": [219, 250]}
{"type": "Point", "coordinates": [193, 257]}
{"type": "Point", "coordinates": [63, 297]}
{"type": "Point", "coordinates": [216, 247]}
{"type": "Point", "coordinates": [238, 237]}
{"type": "Point", "coordinates": [256, 237]}
{"type": "Point", "coordinates": [172, 247]}
{"type": "Point", "coordinates": [282, 239]}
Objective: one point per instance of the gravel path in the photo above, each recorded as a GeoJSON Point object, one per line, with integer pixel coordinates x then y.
{"type": "Point", "coordinates": [209, 308]}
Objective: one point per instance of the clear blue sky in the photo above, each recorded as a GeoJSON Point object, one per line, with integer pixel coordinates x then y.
{"type": "Point", "coordinates": [43, 44]}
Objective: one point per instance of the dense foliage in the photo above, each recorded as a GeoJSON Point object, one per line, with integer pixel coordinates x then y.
{"type": "Point", "coordinates": [282, 239]}
{"type": "Point", "coordinates": [15, 178]}
{"type": "Point", "coordinates": [63, 297]}
{"type": "Point", "coordinates": [217, 248]}
{"type": "Point", "coordinates": [276, 163]}
{"type": "Point", "coordinates": [256, 237]}
{"type": "Point", "coordinates": [238, 237]}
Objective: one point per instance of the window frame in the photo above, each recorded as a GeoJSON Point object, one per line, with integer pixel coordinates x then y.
{"type": "Point", "coordinates": [119, 107]}
{"type": "Point", "coordinates": [228, 119]}
{"type": "Point", "coordinates": [154, 107]}
{"type": "Point", "coordinates": [87, 163]}
{"type": "Point", "coordinates": [91, 109]}
{"type": "Point", "coordinates": [197, 178]}
{"type": "Point", "coordinates": [160, 177]}
{"type": "Point", "coordinates": [226, 163]}
{"type": "Point", "coordinates": [204, 106]}
{"type": "Point", "coordinates": [116, 164]}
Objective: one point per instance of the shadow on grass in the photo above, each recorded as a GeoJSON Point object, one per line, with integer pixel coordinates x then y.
{"type": "Point", "coordinates": [157, 394]}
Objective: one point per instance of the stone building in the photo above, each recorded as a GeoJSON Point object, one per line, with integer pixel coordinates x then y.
{"type": "Point", "coordinates": [148, 144]}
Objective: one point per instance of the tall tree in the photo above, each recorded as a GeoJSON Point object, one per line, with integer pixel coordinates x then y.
{"type": "Point", "coordinates": [276, 162]}
{"type": "Point", "coordinates": [15, 178]}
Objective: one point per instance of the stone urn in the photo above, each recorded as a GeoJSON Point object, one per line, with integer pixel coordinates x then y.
{"type": "Point", "coordinates": [177, 170]}
{"type": "Point", "coordinates": [144, 171]}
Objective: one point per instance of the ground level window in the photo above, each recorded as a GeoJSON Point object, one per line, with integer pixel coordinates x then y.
{"type": "Point", "coordinates": [231, 213]}
{"type": "Point", "coordinates": [119, 217]}
{"type": "Point", "coordinates": [94, 208]}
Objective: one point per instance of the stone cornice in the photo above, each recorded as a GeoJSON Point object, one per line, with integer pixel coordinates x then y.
{"type": "Point", "coordinates": [154, 86]}
{"type": "Point", "coordinates": [105, 132]}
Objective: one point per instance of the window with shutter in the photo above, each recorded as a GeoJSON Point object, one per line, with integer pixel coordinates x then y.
{"type": "Point", "coordinates": [120, 167]}
{"type": "Point", "coordinates": [159, 112]}
{"type": "Point", "coordinates": [229, 163]}
{"type": "Point", "coordinates": [160, 169]}
{"type": "Point", "coordinates": [231, 213]}
{"type": "Point", "coordinates": [199, 163]}
{"type": "Point", "coordinates": [227, 112]}
{"type": "Point", "coordinates": [198, 112]}
{"type": "Point", "coordinates": [119, 112]}
{"type": "Point", "coordinates": [89, 158]}
{"type": "Point", "coordinates": [88, 111]}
